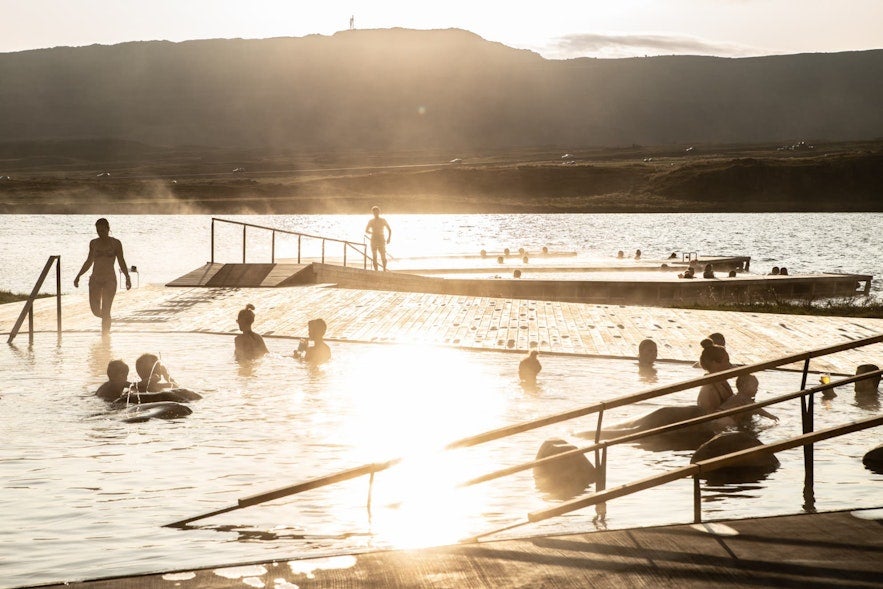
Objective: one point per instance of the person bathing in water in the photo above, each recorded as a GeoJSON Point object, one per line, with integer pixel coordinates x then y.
{"type": "Point", "coordinates": [249, 345]}
{"type": "Point", "coordinates": [746, 390]}
{"type": "Point", "coordinates": [119, 391]}
{"type": "Point", "coordinates": [117, 384]}
{"type": "Point", "coordinates": [319, 352]}
{"type": "Point", "coordinates": [375, 228]}
{"type": "Point", "coordinates": [103, 252]}
{"type": "Point", "coordinates": [529, 368]}
{"type": "Point", "coordinates": [714, 358]}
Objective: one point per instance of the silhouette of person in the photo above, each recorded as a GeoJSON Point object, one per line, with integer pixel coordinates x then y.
{"type": "Point", "coordinates": [319, 352]}
{"type": "Point", "coordinates": [249, 345]}
{"type": "Point", "coordinates": [746, 390]}
{"type": "Point", "coordinates": [637, 254]}
{"type": "Point", "coordinates": [117, 381]}
{"type": "Point", "coordinates": [375, 228]}
{"type": "Point", "coordinates": [529, 368]}
{"type": "Point", "coordinates": [714, 358]}
{"type": "Point", "coordinates": [103, 251]}
{"type": "Point", "coordinates": [866, 390]}
{"type": "Point", "coordinates": [647, 353]}
{"type": "Point", "coordinates": [708, 272]}
{"type": "Point", "coordinates": [154, 376]}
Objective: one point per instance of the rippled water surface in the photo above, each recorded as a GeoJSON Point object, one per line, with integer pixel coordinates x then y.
{"type": "Point", "coordinates": [84, 495]}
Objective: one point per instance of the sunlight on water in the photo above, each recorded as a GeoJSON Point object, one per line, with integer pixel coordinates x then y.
{"type": "Point", "coordinates": [84, 494]}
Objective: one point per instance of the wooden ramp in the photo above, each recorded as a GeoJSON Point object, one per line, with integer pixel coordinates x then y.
{"type": "Point", "coordinates": [247, 275]}
{"type": "Point", "coordinates": [813, 551]}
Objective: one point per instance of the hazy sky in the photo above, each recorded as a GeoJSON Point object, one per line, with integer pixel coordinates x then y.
{"type": "Point", "coordinates": [556, 29]}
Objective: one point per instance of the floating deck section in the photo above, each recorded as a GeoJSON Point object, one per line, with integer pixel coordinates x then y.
{"type": "Point", "coordinates": [630, 285]}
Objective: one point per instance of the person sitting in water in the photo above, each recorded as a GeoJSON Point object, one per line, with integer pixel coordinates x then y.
{"type": "Point", "coordinates": [319, 351]}
{"type": "Point", "coordinates": [708, 272]}
{"type": "Point", "coordinates": [718, 339]}
{"type": "Point", "coordinates": [529, 368]}
{"type": "Point", "coordinates": [688, 273]}
{"type": "Point", "coordinates": [732, 274]}
{"type": "Point", "coordinates": [620, 254]}
{"type": "Point", "coordinates": [867, 387]}
{"type": "Point", "coordinates": [118, 371]}
{"type": "Point", "coordinates": [783, 271]}
{"type": "Point", "coordinates": [775, 271]}
{"type": "Point", "coordinates": [714, 358]}
{"type": "Point", "coordinates": [673, 256]}
{"type": "Point", "coordinates": [249, 345]}
{"type": "Point", "coordinates": [746, 390]}
{"type": "Point", "coordinates": [118, 381]}
{"type": "Point", "coordinates": [637, 254]}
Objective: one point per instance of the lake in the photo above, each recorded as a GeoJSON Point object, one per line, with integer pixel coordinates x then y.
{"type": "Point", "coordinates": [86, 495]}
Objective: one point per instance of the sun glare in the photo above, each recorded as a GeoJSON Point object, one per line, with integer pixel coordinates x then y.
{"type": "Point", "coordinates": [409, 402]}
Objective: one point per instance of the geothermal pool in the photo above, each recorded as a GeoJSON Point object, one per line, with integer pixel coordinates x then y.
{"type": "Point", "coordinates": [85, 495]}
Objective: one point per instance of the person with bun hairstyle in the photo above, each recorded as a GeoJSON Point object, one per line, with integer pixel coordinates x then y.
{"type": "Point", "coordinates": [249, 345]}
{"type": "Point", "coordinates": [714, 358]}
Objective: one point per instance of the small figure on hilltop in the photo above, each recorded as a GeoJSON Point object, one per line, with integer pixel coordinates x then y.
{"type": "Point", "coordinates": [103, 252]}
{"type": "Point", "coordinates": [117, 381]}
{"type": "Point", "coordinates": [249, 345]}
{"type": "Point", "coordinates": [319, 352]}
{"type": "Point", "coordinates": [529, 368]}
{"type": "Point", "coordinates": [375, 228]}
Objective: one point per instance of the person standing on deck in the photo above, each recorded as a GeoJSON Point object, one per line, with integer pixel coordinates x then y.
{"type": "Point", "coordinates": [375, 229]}
{"type": "Point", "coordinates": [103, 251]}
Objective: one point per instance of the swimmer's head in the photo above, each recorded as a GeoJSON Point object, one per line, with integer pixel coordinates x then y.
{"type": "Point", "coordinates": [718, 339]}
{"type": "Point", "coordinates": [146, 366]}
{"type": "Point", "coordinates": [316, 328]}
{"type": "Point", "coordinates": [714, 358]}
{"type": "Point", "coordinates": [117, 370]}
{"type": "Point", "coordinates": [747, 384]}
{"type": "Point", "coordinates": [647, 352]}
{"type": "Point", "coordinates": [868, 385]}
{"type": "Point", "coordinates": [375, 210]}
{"type": "Point", "coordinates": [246, 316]}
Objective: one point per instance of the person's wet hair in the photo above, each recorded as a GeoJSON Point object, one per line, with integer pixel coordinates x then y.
{"type": "Point", "coordinates": [718, 339]}
{"type": "Point", "coordinates": [246, 315]}
{"type": "Point", "coordinates": [117, 370]}
{"type": "Point", "coordinates": [712, 352]}
{"type": "Point", "coordinates": [317, 327]}
{"type": "Point", "coordinates": [868, 385]}
{"type": "Point", "coordinates": [144, 365]}
{"type": "Point", "coordinates": [647, 351]}
{"type": "Point", "coordinates": [746, 381]}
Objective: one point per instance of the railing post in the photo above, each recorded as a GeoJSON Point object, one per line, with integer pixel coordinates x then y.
{"type": "Point", "coordinates": [244, 227]}
{"type": "Point", "coordinates": [31, 324]}
{"type": "Point", "coordinates": [697, 500]}
{"type": "Point", "coordinates": [344, 255]}
{"type": "Point", "coordinates": [323, 251]}
{"type": "Point", "coordinates": [298, 248]}
{"type": "Point", "coordinates": [58, 294]}
{"type": "Point", "coordinates": [213, 240]}
{"type": "Point", "coordinates": [273, 248]}
{"type": "Point", "coordinates": [806, 418]}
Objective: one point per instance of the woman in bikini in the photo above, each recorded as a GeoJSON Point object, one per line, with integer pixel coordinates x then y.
{"type": "Point", "coordinates": [714, 358]}
{"type": "Point", "coordinates": [103, 252]}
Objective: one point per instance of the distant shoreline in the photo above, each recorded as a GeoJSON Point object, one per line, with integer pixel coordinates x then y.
{"type": "Point", "coordinates": [841, 177]}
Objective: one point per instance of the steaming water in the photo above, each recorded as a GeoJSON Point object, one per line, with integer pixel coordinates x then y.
{"type": "Point", "coordinates": [84, 495]}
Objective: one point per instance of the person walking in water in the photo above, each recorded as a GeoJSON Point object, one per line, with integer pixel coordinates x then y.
{"type": "Point", "coordinates": [103, 251]}
{"type": "Point", "coordinates": [375, 229]}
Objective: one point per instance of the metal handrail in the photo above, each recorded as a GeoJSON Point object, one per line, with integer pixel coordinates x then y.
{"type": "Point", "coordinates": [599, 408]}
{"type": "Point", "coordinates": [360, 248]}
{"type": "Point", "coordinates": [28, 309]}
{"type": "Point", "coordinates": [695, 470]}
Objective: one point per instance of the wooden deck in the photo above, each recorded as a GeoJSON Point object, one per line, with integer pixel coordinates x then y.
{"type": "Point", "coordinates": [841, 549]}
{"type": "Point", "coordinates": [484, 323]}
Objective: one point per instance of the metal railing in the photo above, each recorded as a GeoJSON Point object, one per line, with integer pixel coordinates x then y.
{"type": "Point", "coordinates": [600, 447]}
{"type": "Point", "coordinates": [28, 310]}
{"type": "Point", "coordinates": [361, 249]}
